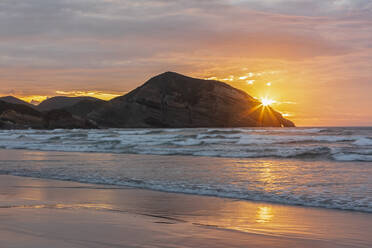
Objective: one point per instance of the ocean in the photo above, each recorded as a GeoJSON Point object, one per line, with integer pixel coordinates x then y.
{"type": "Point", "coordinates": [317, 167]}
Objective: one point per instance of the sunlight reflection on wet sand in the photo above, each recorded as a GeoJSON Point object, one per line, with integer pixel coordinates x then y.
{"type": "Point", "coordinates": [264, 214]}
{"type": "Point", "coordinates": [244, 216]}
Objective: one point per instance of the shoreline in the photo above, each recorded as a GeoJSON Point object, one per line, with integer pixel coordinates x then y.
{"type": "Point", "coordinates": [42, 164]}
{"type": "Point", "coordinates": [30, 208]}
{"type": "Point", "coordinates": [114, 186]}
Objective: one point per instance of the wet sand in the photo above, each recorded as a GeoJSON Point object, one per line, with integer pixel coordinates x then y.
{"type": "Point", "coordinates": [50, 213]}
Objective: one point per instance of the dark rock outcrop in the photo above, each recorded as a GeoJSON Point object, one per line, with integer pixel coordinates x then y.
{"type": "Point", "coordinates": [63, 119]}
{"type": "Point", "coordinates": [60, 102]}
{"type": "Point", "coordinates": [173, 100]}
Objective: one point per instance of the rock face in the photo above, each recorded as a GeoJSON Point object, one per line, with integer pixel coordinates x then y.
{"type": "Point", "coordinates": [60, 102]}
{"type": "Point", "coordinates": [63, 119]}
{"type": "Point", "coordinates": [173, 100]}
{"type": "Point", "coordinates": [84, 107]}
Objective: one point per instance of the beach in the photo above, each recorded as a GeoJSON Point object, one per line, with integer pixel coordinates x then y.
{"type": "Point", "coordinates": [175, 124]}
{"type": "Point", "coordinates": [233, 187]}
{"type": "Point", "coordinates": [36, 212]}
{"type": "Point", "coordinates": [49, 213]}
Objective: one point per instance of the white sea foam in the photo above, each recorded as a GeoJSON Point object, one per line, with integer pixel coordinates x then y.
{"type": "Point", "coordinates": [363, 141]}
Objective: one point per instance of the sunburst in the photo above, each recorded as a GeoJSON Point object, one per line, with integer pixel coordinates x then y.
{"type": "Point", "coordinates": [266, 101]}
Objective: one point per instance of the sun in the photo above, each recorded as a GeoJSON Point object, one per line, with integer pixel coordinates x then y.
{"type": "Point", "coordinates": [266, 101]}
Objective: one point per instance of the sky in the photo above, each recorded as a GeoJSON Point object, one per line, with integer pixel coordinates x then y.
{"type": "Point", "coordinates": [311, 58]}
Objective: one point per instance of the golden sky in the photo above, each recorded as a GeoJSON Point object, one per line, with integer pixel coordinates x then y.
{"type": "Point", "coordinates": [313, 58]}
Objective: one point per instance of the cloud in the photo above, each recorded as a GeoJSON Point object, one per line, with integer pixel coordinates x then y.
{"type": "Point", "coordinates": [115, 45]}
{"type": "Point", "coordinates": [96, 94]}
{"type": "Point", "coordinates": [308, 7]}
{"type": "Point", "coordinates": [98, 33]}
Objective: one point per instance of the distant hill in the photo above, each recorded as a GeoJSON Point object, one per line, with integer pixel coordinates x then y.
{"type": "Point", "coordinates": [84, 107]}
{"type": "Point", "coordinates": [176, 101]}
{"type": "Point", "coordinates": [14, 116]}
{"type": "Point", "coordinates": [60, 102]}
{"type": "Point", "coordinates": [12, 99]}
{"type": "Point", "coordinates": [20, 116]}
{"type": "Point", "coordinates": [19, 108]}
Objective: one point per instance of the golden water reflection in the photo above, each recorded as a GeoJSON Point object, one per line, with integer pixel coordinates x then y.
{"type": "Point", "coordinates": [265, 173]}
{"type": "Point", "coordinates": [264, 214]}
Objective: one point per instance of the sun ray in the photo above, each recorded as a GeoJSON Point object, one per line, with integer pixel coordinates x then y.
{"type": "Point", "coordinates": [266, 101]}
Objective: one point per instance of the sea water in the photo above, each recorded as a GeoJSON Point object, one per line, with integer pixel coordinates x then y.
{"type": "Point", "coordinates": [319, 167]}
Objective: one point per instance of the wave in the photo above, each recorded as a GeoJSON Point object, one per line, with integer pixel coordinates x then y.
{"type": "Point", "coordinates": [352, 157]}
{"type": "Point", "coordinates": [224, 191]}
{"type": "Point", "coordinates": [319, 167]}
{"type": "Point", "coordinates": [299, 143]}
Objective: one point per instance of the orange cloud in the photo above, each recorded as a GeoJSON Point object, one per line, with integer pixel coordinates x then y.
{"type": "Point", "coordinates": [97, 94]}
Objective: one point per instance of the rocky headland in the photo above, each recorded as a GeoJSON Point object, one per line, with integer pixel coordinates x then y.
{"type": "Point", "coordinates": [169, 100]}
